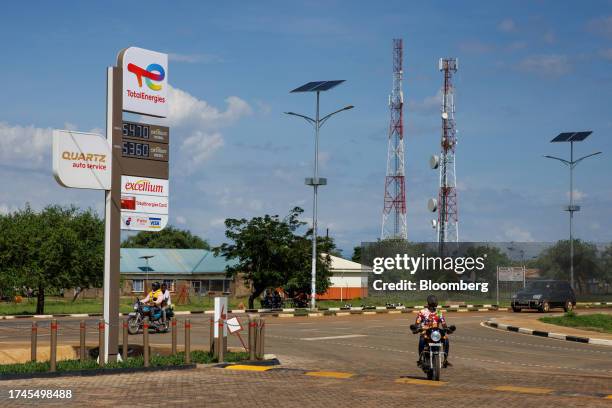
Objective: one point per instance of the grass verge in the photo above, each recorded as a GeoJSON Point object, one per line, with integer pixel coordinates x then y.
{"type": "Point", "coordinates": [598, 322]}
{"type": "Point", "coordinates": [197, 356]}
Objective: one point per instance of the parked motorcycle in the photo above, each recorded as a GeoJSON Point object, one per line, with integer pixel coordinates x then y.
{"type": "Point", "coordinates": [136, 318]}
{"type": "Point", "coordinates": [432, 357]}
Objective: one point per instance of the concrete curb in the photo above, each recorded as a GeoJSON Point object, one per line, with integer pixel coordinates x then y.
{"type": "Point", "coordinates": [558, 336]}
{"type": "Point", "coordinates": [332, 311]}
{"type": "Point", "coordinates": [93, 372]}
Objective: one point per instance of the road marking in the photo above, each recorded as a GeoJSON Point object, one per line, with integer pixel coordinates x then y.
{"type": "Point", "coordinates": [420, 382]}
{"type": "Point", "coordinates": [348, 336]}
{"type": "Point", "coordinates": [524, 390]}
{"type": "Point", "coordinates": [240, 367]}
{"type": "Point", "coordinates": [329, 374]}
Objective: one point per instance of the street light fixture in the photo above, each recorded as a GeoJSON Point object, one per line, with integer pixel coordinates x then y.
{"type": "Point", "coordinates": [315, 182]}
{"type": "Point", "coordinates": [571, 137]}
{"type": "Point", "coordinates": [146, 258]}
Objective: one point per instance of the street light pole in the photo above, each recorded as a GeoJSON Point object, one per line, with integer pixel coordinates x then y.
{"type": "Point", "coordinates": [315, 185]}
{"type": "Point", "coordinates": [571, 137]}
{"type": "Point", "coordinates": [146, 258]}
{"type": "Point", "coordinates": [315, 182]}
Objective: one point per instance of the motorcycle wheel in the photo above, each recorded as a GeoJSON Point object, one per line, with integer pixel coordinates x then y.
{"type": "Point", "coordinates": [133, 325]}
{"type": "Point", "coordinates": [163, 327]}
{"type": "Point", "coordinates": [435, 370]}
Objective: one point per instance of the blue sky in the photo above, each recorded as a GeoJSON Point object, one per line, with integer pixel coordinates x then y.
{"type": "Point", "coordinates": [528, 70]}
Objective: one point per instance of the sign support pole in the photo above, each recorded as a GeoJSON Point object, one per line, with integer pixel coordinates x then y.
{"type": "Point", "coordinates": [112, 231]}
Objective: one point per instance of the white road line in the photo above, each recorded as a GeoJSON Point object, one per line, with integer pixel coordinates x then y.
{"type": "Point", "coordinates": [348, 336]}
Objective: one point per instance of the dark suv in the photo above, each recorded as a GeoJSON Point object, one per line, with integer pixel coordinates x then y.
{"type": "Point", "coordinates": [544, 295]}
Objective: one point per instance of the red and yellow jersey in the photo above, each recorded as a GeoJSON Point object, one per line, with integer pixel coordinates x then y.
{"type": "Point", "coordinates": [431, 319]}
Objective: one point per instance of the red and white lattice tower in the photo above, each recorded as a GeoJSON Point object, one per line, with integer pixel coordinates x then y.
{"type": "Point", "coordinates": [448, 217]}
{"type": "Point", "coordinates": [394, 211]}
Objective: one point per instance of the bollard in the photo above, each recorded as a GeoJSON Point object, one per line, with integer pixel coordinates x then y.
{"type": "Point", "coordinates": [53, 351]}
{"type": "Point", "coordinates": [259, 342]}
{"type": "Point", "coordinates": [219, 351]}
{"type": "Point", "coordinates": [252, 329]}
{"type": "Point", "coordinates": [101, 353]}
{"type": "Point", "coordinates": [258, 339]}
{"type": "Point", "coordinates": [145, 334]}
{"type": "Point", "coordinates": [82, 341]}
{"type": "Point", "coordinates": [263, 339]}
{"type": "Point", "coordinates": [125, 340]}
{"type": "Point", "coordinates": [187, 341]}
{"type": "Point", "coordinates": [211, 340]}
{"type": "Point", "coordinates": [34, 341]}
{"type": "Point", "coordinates": [173, 337]}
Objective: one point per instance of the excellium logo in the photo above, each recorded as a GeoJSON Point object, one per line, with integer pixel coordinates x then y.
{"type": "Point", "coordinates": [153, 73]}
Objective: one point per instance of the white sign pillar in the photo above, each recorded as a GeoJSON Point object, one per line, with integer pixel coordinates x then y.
{"type": "Point", "coordinates": [220, 313]}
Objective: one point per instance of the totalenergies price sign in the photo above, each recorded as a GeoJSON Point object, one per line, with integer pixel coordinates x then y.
{"type": "Point", "coordinates": [145, 82]}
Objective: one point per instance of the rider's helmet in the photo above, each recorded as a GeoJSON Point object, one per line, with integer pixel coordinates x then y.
{"type": "Point", "coordinates": [432, 302]}
{"type": "Point", "coordinates": [155, 286]}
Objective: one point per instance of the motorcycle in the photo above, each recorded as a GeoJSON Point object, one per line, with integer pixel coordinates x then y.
{"type": "Point", "coordinates": [136, 318]}
{"type": "Point", "coordinates": [432, 357]}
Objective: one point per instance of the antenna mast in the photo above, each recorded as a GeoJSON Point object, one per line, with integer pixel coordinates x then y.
{"type": "Point", "coordinates": [394, 211]}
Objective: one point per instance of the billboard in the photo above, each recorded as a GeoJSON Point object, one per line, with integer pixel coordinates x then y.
{"type": "Point", "coordinates": [145, 82]}
{"type": "Point", "coordinates": [81, 160]}
{"type": "Point", "coordinates": [144, 203]}
{"type": "Point", "coordinates": [510, 274]}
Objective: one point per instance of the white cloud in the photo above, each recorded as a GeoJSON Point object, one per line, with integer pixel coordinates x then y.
{"type": "Point", "coordinates": [601, 25]}
{"type": "Point", "coordinates": [578, 195]}
{"type": "Point", "coordinates": [549, 37]}
{"type": "Point", "coordinates": [181, 220]}
{"type": "Point", "coordinates": [197, 123]}
{"type": "Point", "coordinates": [199, 146]}
{"type": "Point", "coordinates": [518, 234]}
{"type": "Point", "coordinates": [606, 54]}
{"type": "Point", "coordinates": [507, 25]}
{"type": "Point", "coordinates": [187, 110]}
{"type": "Point", "coordinates": [25, 146]}
{"type": "Point", "coordinates": [429, 104]}
{"type": "Point", "coordinates": [552, 65]}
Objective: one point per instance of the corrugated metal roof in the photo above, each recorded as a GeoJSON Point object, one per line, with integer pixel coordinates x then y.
{"type": "Point", "coordinates": [172, 261]}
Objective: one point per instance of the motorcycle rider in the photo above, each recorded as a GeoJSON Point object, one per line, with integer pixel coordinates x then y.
{"type": "Point", "coordinates": [166, 303]}
{"type": "Point", "coordinates": [154, 298]}
{"type": "Point", "coordinates": [427, 318]}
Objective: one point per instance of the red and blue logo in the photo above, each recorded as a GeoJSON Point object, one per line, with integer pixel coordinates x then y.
{"type": "Point", "coordinates": [152, 74]}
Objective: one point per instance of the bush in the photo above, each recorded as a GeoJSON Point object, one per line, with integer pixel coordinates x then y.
{"type": "Point", "coordinates": [197, 356]}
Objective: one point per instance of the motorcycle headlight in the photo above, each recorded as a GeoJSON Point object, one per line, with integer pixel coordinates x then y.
{"type": "Point", "coordinates": [514, 296]}
{"type": "Point", "coordinates": [435, 335]}
{"type": "Point", "coordinates": [537, 297]}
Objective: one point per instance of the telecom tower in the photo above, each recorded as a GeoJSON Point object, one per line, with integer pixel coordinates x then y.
{"type": "Point", "coordinates": [394, 211]}
{"type": "Point", "coordinates": [447, 224]}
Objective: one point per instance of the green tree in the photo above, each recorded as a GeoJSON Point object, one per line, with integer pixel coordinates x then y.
{"type": "Point", "coordinates": [554, 262]}
{"type": "Point", "coordinates": [55, 249]}
{"type": "Point", "coordinates": [169, 237]}
{"type": "Point", "coordinates": [356, 254]}
{"type": "Point", "coordinates": [269, 253]}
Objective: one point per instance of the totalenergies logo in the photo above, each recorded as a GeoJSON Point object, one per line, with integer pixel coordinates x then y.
{"type": "Point", "coordinates": [153, 73]}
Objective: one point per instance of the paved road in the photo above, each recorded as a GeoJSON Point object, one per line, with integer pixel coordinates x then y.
{"type": "Point", "coordinates": [378, 354]}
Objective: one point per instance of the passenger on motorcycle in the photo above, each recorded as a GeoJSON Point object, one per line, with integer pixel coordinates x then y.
{"type": "Point", "coordinates": [166, 303]}
{"type": "Point", "coordinates": [154, 298]}
{"type": "Point", "coordinates": [428, 318]}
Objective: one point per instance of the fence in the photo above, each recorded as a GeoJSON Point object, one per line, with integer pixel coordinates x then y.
{"type": "Point", "coordinates": [83, 340]}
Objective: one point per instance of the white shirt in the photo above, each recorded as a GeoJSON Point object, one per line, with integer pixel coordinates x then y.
{"type": "Point", "coordinates": [166, 297]}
